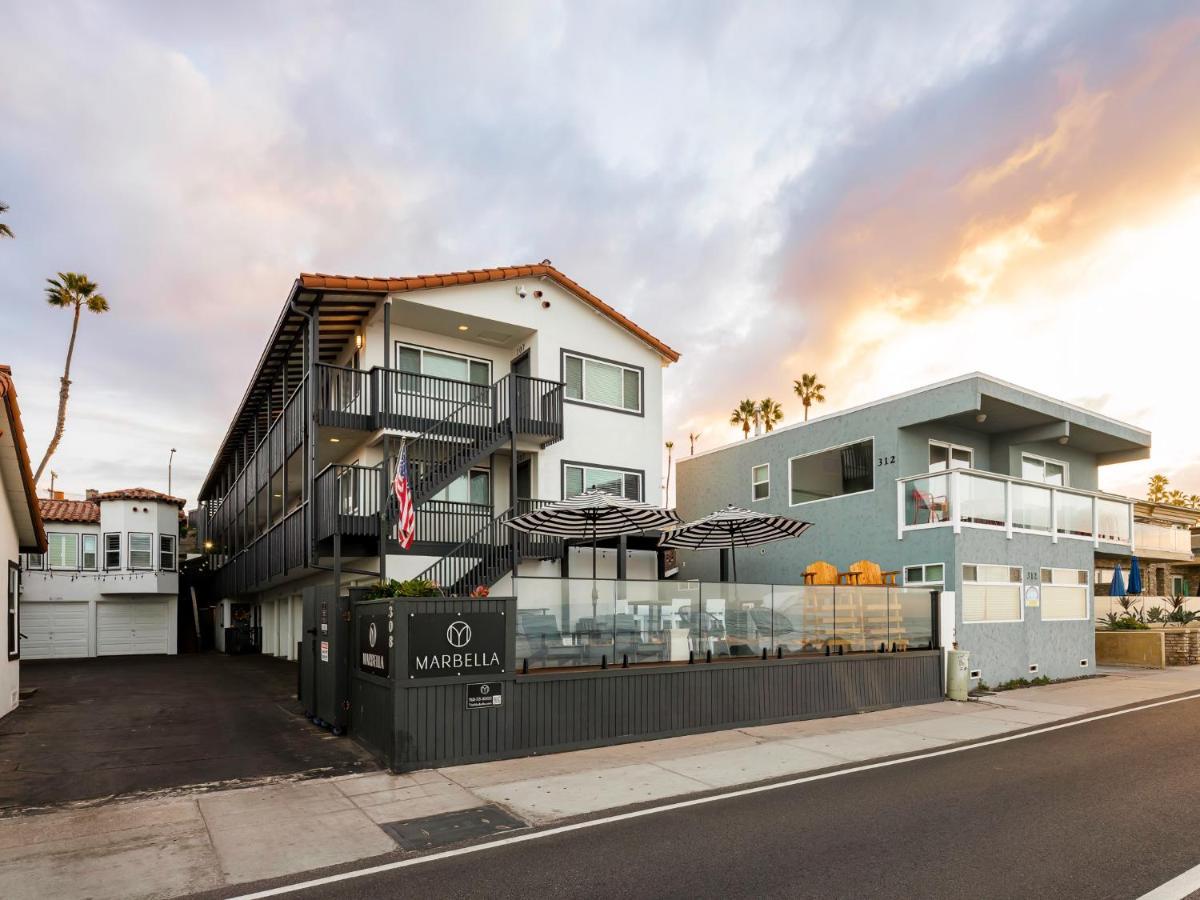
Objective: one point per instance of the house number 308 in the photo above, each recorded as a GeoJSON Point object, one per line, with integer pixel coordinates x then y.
{"type": "Point", "coordinates": [887, 460]}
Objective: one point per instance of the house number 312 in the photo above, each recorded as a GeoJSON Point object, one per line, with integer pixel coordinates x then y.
{"type": "Point", "coordinates": [887, 460]}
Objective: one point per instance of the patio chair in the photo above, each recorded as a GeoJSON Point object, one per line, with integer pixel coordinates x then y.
{"type": "Point", "coordinates": [865, 572]}
{"type": "Point", "coordinates": [936, 508]}
{"type": "Point", "coordinates": [820, 572]}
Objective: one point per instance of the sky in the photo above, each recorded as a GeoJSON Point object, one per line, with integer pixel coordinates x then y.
{"type": "Point", "coordinates": [888, 195]}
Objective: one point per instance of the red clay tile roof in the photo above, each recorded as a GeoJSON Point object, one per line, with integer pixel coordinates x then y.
{"type": "Point", "coordinates": [141, 494]}
{"type": "Point", "coordinates": [70, 511]}
{"type": "Point", "coordinates": [474, 276]}
{"type": "Point", "coordinates": [12, 412]}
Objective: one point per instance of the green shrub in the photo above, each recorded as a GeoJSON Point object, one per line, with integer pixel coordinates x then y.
{"type": "Point", "coordinates": [413, 587]}
{"type": "Point", "coordinates": [1125, 623]}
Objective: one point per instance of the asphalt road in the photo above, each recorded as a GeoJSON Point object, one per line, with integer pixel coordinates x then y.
{"type": "Point", "coordinates": [1105, 809]}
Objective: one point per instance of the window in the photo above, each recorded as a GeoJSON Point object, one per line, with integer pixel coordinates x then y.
{"type": "Point", "coordinates": [579, 478]}
{"type": "Point", "coordinates": [62, 550]}
{"type": "Point", "coordinates": [1178, 586]}
{"type": "Point", "coordinates": [440, 364]}
{"type": "Point", "coordinates": [931, 574]}
{"type": "Point", "coordinates": [991, 593]}
{"type": "Point", "coordinates": [760, 480]}
{"type": "Point", "coordinates": [602, 383]}
{"type": "Point", "coordinates": [112, 551]}
{"type": "Point", "coordinates": [1047, 471]}
{"type": "Point", "coordinates": [832, 473]}
{"type": "Point", "coordinates": [166, 552]}
{"type": "Point", "coordinates": [90, 553]}
{"type": "Point", "coordinates": [1064, 594]}
{"type": "Point", "coordinates": [949, 456]}
{"type": "Point", "coordinates": [35, 560]}
{"type": "Point", "coordinates": [13, 612]}
{"type": "Point", "coordinates": [141, 550]}
{"type": "Point", "coordinates": [474, 487]}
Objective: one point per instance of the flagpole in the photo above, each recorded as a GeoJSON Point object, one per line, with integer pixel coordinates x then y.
{"type": "Point", "coordinates": [384, 486]}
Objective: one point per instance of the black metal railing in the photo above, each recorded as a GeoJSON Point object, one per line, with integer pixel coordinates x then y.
{"type": "Point", "coordinates": [450, 521]}
{"type": "Point", "coordinates": [536, 546]}
{"type": "Point", "coordinates": [479, 561]}
{"type": "Point", "coordinates": [469, 431]}
{"type": "Point", "coordinates": [538, 409]}
{"type": "Point", "coordinates": [272, 555]}
{"type": "Point", "coordinates": [347, 501]}
{"type": "Point", "coordinates": [344, 396]}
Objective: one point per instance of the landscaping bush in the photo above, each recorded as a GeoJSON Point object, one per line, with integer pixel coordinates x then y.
{"type": "Point", "coordinates": [413, 587]}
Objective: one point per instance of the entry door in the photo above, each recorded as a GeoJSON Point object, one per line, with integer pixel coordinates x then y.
{"type": "Point", "coordinates": [524, 479]}
{"type": "Point", "coordinates": [128, 628]}
{"type": "Point", "coordinates": [520, 366]}
{"type": "Point", "coordinates": [54, 630]}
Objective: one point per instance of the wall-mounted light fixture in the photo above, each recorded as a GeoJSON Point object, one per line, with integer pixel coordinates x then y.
{"type": "Point", "coordinates": [981, 417]}
{"type": "Point", "coordinates": [463, 328]}
{"type": "Point", "coordinates": [358, 341]}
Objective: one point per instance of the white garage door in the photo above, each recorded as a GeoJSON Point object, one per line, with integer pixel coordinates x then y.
{"type": "Point", "coordinates": [125, 627]}
{"type": "Point", "coordinates": [54, 630]}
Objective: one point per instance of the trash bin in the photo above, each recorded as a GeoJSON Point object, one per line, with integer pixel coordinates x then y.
{"type": "Point", "coordinates": [958, 675]}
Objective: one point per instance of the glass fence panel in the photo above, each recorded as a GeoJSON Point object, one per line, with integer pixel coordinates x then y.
{"type": "Point", "coordinates": [927, 500]}
{"type": "Point", "coordinates": [911, 614]}
{"type": "Point", "coordinates": [565, 622]}
{"type": "Point", "coordinates": [738, 618]}
{"type": "Point", "coordinates": [1112, 519]}
{"type": "Point", "coordinates": [1074, 514]}
{"type": "Point", "coordinates": [654, 620]}
{"type": "Point", "coordinates": [801, 616]}
{"type": "Point", "coordinates": [981, 500]}
{"type": "Point", "coordinates": [1031, 507]}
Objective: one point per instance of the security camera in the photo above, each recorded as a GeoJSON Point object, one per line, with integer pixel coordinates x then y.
{"type": "Point", "coordinates": [521, 291]}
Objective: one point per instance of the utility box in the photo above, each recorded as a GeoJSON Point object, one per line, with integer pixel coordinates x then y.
{"type": "Point", "coordinates": [324, 660]}
{"type": "Point", "coordinates": [958, 675]}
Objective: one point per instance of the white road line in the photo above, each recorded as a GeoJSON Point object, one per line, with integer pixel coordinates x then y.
{"type": "Point", "coordinates": [1177, 888]}
{"type": "Point", "coordinates": [728, 795]}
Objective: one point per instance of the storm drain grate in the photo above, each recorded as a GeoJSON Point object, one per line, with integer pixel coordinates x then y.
{"type": "Point", "coordinates": [452, 827]}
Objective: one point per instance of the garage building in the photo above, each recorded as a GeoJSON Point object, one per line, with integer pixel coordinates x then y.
{"type": "Point", "coordinates": [108, 583]}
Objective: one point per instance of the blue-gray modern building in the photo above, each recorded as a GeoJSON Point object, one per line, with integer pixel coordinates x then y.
{"type": "Point", "coordinates": [973, 486]}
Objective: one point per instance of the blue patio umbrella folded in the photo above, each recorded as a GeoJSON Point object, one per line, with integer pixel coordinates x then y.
{"type": "Point", "coordinates": [1118, 583]}
{"type": "Point", "coordinates": [1135, 577]}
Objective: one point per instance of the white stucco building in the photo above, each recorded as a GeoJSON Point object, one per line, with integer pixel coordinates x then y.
{"type": "Point", "coordinates": [510, 387]}
{"type": "Point", "coordinates": [20, 532]}
{"type": "Point", "coordinates": [108, 583]}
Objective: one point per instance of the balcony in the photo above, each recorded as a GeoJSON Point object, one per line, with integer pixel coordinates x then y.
{"type": "Point", "coordinates": [268, 559]}
{"type": "Point", "coordinates": [405, 401]}
{"type": "Point", "coordinates": [970, 498]}
{"type": "Point", "coordinates": [1168, 541]}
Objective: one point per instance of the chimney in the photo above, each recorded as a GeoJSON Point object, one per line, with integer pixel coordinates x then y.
{"type": "Point", "coordinates": [91, 494]}
{"type": "Point", "coordinates": [58, 495]}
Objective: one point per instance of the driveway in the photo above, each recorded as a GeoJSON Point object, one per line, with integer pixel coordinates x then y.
{"type": "Point", "coordinates": [98, 728]}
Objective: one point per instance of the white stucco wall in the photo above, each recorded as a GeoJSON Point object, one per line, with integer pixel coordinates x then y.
{"type": "Point", "coordinates": [10, 670]}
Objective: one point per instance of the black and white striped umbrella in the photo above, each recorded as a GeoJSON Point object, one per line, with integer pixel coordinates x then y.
{"type": "Point", "coordinates": [733, 527]}
{"type": "Point", "coordinates": [592, 515]}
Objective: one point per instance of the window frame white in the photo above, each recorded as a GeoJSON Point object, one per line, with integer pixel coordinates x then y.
{"type": "Point", "coordinates": [754, 485]}
{"type": "Point", "coordinates": [584, 359]}
{"type": "Point", "coordinates": [1066, 467]}
{"type": "Point", "coordinates": [39, 566]}
{"type": "Point", "coordinates": [130, 551]}
{"type": "Point", "coordinates": [50, 535]}
{"type": "Point", "coordinates": [1019, 584]}
{"type": "Point", "coordinates": [1083, 583]}
{"type": "Point", "coordinates": [874, 466]}
{"type": "Point", "coordinates": [950, 448]}
{"type": "Point", "coordinates": [173, 551]}
{"type": "Point", "coordinates": [924, 582]}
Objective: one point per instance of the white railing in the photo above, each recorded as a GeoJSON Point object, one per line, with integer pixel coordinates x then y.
{"type": "Point", "coordinates": [1165, 538]}
{"type": "Point", "coordinates": [974, 499]}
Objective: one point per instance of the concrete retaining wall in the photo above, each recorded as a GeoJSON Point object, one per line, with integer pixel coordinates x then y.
{"type": "Point", "coordinates": [1131, 648]}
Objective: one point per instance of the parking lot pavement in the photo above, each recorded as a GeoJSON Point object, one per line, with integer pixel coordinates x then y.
{"type": "Point", "coordinates": [118, 726]}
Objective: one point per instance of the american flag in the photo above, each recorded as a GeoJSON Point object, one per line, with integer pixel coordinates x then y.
{"type": "Point", "coordinates": [406, 520]}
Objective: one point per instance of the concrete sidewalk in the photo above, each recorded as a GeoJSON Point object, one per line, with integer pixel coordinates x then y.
{"type": "Point", "coordinates": [170, 846]}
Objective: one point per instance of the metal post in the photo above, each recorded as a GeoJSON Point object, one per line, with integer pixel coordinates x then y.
{"type": "Point", "coordinates": [383, 516]}
{"type": "Point", "coordinates": [622, 557]}
{"type": "Point", "coordinates": [512, 467]}
{"type": "Point", "coordinates": [387, 334]}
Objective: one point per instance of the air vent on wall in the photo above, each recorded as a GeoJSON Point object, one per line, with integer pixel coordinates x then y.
{"type": "Point", "coordinates": [492, 337]}
{"type": "Point", "coordinates": [1033, 667]}
{"type": "Point", "coordinates": [975, 673]}
{"type": "Point", "coordinates": [1083, 663]}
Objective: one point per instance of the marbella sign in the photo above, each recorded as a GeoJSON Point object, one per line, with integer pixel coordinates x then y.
{"type": "Point", "coordinates": [374, 644]}
{"type": "Point", "coordinates": [449, 644]}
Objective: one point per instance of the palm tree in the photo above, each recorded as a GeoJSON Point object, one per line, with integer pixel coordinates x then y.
{"type": "Point", "coordinates": [809, 390]}
{"type": "Point", "coordinates": [744, 414]}
{"type": "Point", "coordinates": [670, 445]}
{"type": "Point", "coordinates": [1176, 498]}
{"type": "Point", "coordinates": [1194, 501]}
{"type": "Point", "coordinates": [771, 413]}
{"type": "Point", "coordinates": [692, 438]}
{"type": "Point", "coordinates": [5, 231]}
{"type": "Point", "coordinates": [1158, 488]}
{"type": "Point", "coordinates": [70, 290]}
